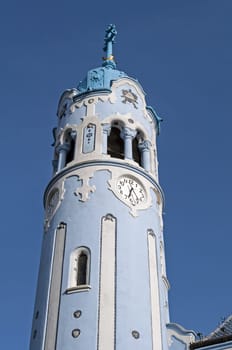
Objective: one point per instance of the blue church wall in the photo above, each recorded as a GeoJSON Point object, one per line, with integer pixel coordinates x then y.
{"type": "Point", "coordinates": [131, 253]}
{"type": "Point", "coordinates": [177, 344]}
{"type": "Point", "coordinates": [132, 281]}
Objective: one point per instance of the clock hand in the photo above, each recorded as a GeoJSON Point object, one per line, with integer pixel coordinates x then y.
{"type": "Point", "coordinates": [130, 191]}
{"type": "Point", "coordinates": [135, 194]}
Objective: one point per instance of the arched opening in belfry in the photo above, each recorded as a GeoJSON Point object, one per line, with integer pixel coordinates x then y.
{"type": "Point", "coordinates": [135, 149]}
{"type": "Point", "coordinates": [70, 140]}
{"type": "Point", "coordinates": [82, 267]}
{"type": "Point", "coordinates": [115, 144]}
{"type": "Point", "coordinates": [70, 154]}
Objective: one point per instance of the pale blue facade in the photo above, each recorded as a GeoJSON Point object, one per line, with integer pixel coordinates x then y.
{"type": "Point", "coordinates": [102, 281]}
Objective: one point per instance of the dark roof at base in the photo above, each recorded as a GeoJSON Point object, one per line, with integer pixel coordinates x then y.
{"type": "Point", "coordinates": [222, 334]}
{"type": "Point", "coordinates": [225, 328]}
{"type": "Point", "coordinates": [212, 341]}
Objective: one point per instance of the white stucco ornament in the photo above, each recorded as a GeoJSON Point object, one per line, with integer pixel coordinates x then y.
{"type": "Point", "coordinates": [84, 191]}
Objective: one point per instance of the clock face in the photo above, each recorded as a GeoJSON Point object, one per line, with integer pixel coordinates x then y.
{"type": "Point", "coordinates": [130, 190]}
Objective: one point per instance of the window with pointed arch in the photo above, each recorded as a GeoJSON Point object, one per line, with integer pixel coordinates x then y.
{"type": "Point", "coordinates": [79, 270]}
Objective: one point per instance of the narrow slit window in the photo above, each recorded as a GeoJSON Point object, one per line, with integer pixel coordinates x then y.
{"type": "Point", "coordinates": [79, 271]}
{"type": "Point", "coordinates": [82, 269]}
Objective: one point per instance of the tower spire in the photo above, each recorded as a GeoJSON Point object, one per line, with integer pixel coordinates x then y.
{"type": "Point", "coordinates": [108, 47]}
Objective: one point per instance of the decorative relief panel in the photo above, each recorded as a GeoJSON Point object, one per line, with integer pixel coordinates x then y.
{"type": "Point", "coordinates": [83, 192]}
{"type": "Point", "coordinates": [77, 104]}
{"type": "Point", "coordinates": [96, 79]}
{"type": "Point", "coordinates": [130, 97]}
{"type": "Point", "coordinates": [91, 101]}
{"type": "Point", "coordinates": [89, 138]}
{"type": "Point", "coordinates": [130, 92]}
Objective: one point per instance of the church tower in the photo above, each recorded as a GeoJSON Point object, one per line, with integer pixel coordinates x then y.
{"type": "Point", "coordinates": [102, 282]}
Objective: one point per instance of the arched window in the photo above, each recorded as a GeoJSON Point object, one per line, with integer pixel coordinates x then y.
{"type": "Point", "coordinates": [70, 139]}
{"type": "Point", "coordinates": [66, 149]}
{"type": "Point", "coordinates": [79, 270]}
{"type": "Point", "coordinates": [115, 144]}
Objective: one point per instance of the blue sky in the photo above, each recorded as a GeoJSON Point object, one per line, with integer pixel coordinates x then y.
{"type": "Point", "coordinates": [180, 51]}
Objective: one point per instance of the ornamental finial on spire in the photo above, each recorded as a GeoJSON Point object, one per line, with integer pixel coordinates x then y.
{"type": "Point", "coordinates": [108, 47]}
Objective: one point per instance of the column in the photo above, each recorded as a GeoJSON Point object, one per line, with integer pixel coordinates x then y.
{"type": "Point", "coordinates": [144, 148]}
{"type": "Point", "coordinates": [128, 134]}
{"type": "Point", "coordinates": [62, 150]}
{"type": "Point", "coordinates": [54, 165]}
